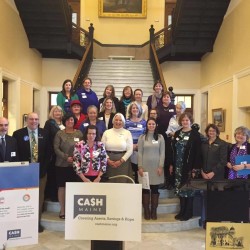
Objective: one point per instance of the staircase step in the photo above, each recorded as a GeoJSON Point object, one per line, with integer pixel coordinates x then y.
{"type": "Point", "coordinates": [164, 223]}
{"type": "Point", "coordinates": [168, 206]}
{"type": "Point", "coordinates": [120, 73]}
{"type": "Point", "coordinates": [165, 193]}
{"type": "Point", "coordinates": [167, 223]}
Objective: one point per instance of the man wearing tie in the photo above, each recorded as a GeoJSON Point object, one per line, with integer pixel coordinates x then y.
{"type": "Point", "coordinates": [8, 145]}
{"type": "Point", "coordinates": [32, 144]}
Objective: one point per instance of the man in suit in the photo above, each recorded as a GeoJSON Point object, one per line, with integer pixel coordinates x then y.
{"type": "Point", "coordinates": [32, 143]}
{"type": "Point", "coordinates": [8, 145]}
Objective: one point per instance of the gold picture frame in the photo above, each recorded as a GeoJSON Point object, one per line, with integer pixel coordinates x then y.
{"type": "Point", "coordinates": [218, 116]}
{"type": "Point", "coordinates": [122, 8]}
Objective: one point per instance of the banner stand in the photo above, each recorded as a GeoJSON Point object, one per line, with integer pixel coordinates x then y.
{"type": "Point", "coordinates": [19, 198]}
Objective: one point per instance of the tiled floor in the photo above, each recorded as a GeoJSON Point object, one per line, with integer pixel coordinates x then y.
{"type": "Point", "coordinates": [187, 240]}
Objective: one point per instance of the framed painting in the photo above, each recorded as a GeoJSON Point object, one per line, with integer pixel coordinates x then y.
{"type": "Point", "coordinates": [122, 8]}
{"type": "Point", "coordinates": [227, 235]}
{"type": "Point", "coordinates": [218, 116]}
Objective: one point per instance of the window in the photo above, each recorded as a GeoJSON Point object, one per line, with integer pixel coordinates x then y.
{"type": "Point", "coordinates": [188, 99]}
{"type": "Point", "coordinates": [52, 99]}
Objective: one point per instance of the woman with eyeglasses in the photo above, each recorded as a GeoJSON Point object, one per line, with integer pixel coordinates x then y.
{"type": "Point", "coordinates": [241, 147]}
{"type": "Point", "coordinates": [90, 158]}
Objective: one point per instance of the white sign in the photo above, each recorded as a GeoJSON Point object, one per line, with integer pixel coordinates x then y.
{"type": "Point", "coordinates": [19, 192]}
{"type": "Point", "coordinates": [103, 211]}
{"type": "Point", "coordinates": [144, 180]}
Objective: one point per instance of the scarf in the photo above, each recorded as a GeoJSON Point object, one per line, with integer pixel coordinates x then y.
{"type": "Point", "coordinates": [155, 100]}
{"type": "Point", "coordinates": [126, 102]}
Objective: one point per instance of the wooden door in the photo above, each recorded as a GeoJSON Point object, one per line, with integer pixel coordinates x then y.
{"type": "Point", "coordinates": [76, 12]}
{"type": "Point", "coordinates": [169, 7]}
{"type": "Point", "coordinates": [5, 99]}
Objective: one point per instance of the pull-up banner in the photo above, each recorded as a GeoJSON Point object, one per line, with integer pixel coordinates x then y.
{"type": "Point", "coordinates": [103, 211]}
{"type": "Point", "coordinates": [19, 195]}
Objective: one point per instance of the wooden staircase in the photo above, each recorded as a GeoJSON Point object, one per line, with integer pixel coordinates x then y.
{"type": "Point", "coordinates": [48, 26]}
{"type": "Point", "coordinates": [120, 73]}
{"type": "Point", "coordinates": [194, 29]}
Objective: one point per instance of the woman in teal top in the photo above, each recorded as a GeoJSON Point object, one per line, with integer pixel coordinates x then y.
{"type": "Point", "coordinates": [67, 95]}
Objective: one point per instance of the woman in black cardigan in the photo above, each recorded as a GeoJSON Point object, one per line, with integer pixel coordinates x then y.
{"type": "Point", "coordinates": [186, 157]}
{"type": "Point", "coordinates": [108, 112]}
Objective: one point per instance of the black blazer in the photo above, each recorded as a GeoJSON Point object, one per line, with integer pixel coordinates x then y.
{"type": "Point", "coordinates": [11, 153]}
{"type": "Point", "coordinates": [101, 116]}
{"type": "Point", "coordinates": [23, 145]}
{"type": "Point", "coordinates": [51, 128]}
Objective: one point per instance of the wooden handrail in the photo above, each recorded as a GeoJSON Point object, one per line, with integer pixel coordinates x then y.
{"type": "Point", "coordinates": [80, 66]}
{"type": "Point", "coordinates": [163, 30]}
{"type": "Point", "coordinates": [158, 75]}
{"type": "Point", "coordinates": [80, 28]}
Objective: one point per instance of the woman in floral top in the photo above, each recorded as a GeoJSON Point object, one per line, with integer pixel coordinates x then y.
{"type": "Point", "coordinates": [90, 159]}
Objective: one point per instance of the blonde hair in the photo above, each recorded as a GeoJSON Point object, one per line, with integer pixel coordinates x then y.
{"type": "Point", "coordinates": [130, 109]}
{"type": "Point", "coordinates": [51, 113]}
{"type": "Point", "coordinates": [104, 104]}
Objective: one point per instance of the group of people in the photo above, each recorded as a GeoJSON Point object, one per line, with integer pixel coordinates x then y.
{"type": "Point", "coordinates": [91, 140]}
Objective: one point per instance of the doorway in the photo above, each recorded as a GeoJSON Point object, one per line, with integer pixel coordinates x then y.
{"type": "Point", "coordinates": [169, 8]}
{"type": "Point", "coordinates": [5, 99]}
{"type": "Point", "coordinates": [76, 14]}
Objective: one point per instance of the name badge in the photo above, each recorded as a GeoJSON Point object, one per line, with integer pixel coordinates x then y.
{"type": "Point", "coordinates": [243, 162]}
{"type": "Point", "coordinates": [154, 141]}
{"type": "Point", "coordinates": [61, 126]}
{"type": "Point", "coordinates": [85, 124]}
{"type": "Point", "coordinates": [12, 154]}
{"type": "Point", "coordinates": [243, 147]}
{"type": "Point", "coordinates": [66, 100]}
{"type": "Point", "coordinates": [171, 110]}
{"type": "Point", "coordinates": [84, 95]}
{"type": "Point", "coordinates": [100, 118]}
{"type": "Point", "coordinates": [216, 145]}
{"type": "Point", "coordinates": [76, 139]}
{"type": "Point", "coordinates": [139, 126]}
{"type": "Point", "coordinates": [186, 138]}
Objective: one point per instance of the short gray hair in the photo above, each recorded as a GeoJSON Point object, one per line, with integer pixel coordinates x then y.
{"type": "Point", "coordinates": [122, 117]}
{"type": "Point", "coordinates": [182, 104]}
{"type": "Point", "coordinates": [243, 130]}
